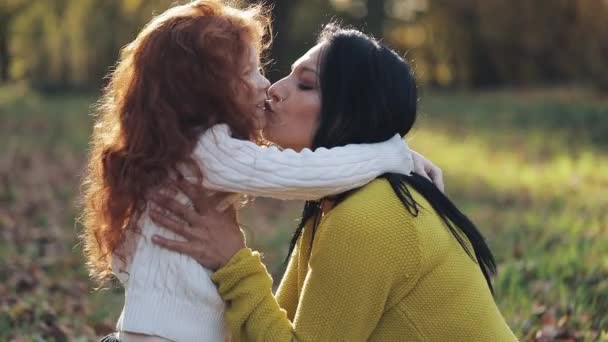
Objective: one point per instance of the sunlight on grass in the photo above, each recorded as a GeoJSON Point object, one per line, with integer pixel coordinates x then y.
{"type": "Point", "coordinates": [541, 203]}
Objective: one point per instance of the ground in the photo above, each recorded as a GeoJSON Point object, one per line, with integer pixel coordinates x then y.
{"type": "Point", "coordinates": [529, 167]}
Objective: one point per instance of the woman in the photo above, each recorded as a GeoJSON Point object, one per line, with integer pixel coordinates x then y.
{"type": "Point", "coordinates": [182, 89]}
{"type": "Point", "coordinates": [391, 261]}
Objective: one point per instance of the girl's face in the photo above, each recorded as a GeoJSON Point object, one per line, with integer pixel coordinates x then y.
{"type": "Point", "coordinates": [254, 99]}
{"type": "Point", "coordinates": [295, 104]}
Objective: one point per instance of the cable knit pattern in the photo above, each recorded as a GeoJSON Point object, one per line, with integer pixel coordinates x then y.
{"type": "Point", "coordinates": [374, 272]}
{"type": "Point", "coordinates": [170, 295]}
{"type": "Point", "coordinates": [234, 165]}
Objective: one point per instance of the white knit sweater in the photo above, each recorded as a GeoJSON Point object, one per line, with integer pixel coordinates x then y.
{"type": "Point", "coordinates": [172, 296]}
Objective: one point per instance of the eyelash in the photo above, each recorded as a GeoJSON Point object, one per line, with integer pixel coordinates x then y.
{"type": "Point", "coordinates": [304, 87]}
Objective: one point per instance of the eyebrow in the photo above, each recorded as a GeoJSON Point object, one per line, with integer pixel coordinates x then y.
{"type": "Point", "coordinates": [305, 68]}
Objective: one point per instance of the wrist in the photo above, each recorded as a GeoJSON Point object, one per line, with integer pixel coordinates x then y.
{"type": "Point", "coordinates": [230, 254]}
{"type": "Point", "coordinates": [399, 157]}
{"type": "Point", "coordinates": [235, 259]}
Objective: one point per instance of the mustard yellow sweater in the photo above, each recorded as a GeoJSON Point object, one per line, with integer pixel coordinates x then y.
{"type": "Point", "coordinates": [374, 272]}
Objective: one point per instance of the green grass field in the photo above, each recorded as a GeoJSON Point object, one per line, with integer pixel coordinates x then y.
{"type": "Point", "coordinates": [530, 167]}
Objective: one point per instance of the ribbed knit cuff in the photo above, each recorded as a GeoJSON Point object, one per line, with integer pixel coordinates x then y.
{"type": "Point", "coordinates": [160, 314]}
{"type": "Point", "coordinates": [397, 156]}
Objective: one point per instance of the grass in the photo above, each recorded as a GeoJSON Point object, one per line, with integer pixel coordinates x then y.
{"type": "Point", "coordinates": [529, 167]}
{"type": "Point", "coordinates": [532, 170]}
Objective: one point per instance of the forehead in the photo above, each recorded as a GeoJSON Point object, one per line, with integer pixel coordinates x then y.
{"type": "Point", "coordinates": [311, 58]}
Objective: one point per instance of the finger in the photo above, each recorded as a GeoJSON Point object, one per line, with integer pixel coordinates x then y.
{"type": "Point", "coordinates": [419, 169]}
{"type": "Point", "coordinates": [192, 190]}
{"type": "Point", "coordinates": [169, 191]}
{"type": "Point", "coordinates": [226, 202]}
{"type": "Point", "coordinates": [178, 228]}
{"type": "Point", "coordinates": [220, 201]}
{"type": "Point", "coordinates": [176, 246]}
{"type": "Point", "coordinates": [220, 197]}
{"type": "Point", "coordinates": [181, 211]}
{"type": "Point", "coordinates": [201, 196]}
{"type": "Point", "coordinates": [437, 178]}
{"type": "Point", "coordinates": [215, 221]}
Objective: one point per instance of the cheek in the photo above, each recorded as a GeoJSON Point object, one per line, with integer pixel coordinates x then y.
{"type": "Point", "coordinates": [307, 107]}
{"type": "Point", "coordinates": [302, 123]}
{"type": "Point", "coordinates": [244, 92]}
{"type": "Point", "coordinates": [256, 84]}
{"type": "Point", "coordinates": [252, 84]}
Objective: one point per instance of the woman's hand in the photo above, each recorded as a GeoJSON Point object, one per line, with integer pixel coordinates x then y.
{"type": "Point", "coordinates": [211, 231]}
{"type": "Point", "coordinates": [427, 169]}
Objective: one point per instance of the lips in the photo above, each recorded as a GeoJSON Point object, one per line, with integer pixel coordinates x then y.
{"type": "Point", "coordinates": [268, 106]}
{"type": "Point", "coordinates": [261, 105]}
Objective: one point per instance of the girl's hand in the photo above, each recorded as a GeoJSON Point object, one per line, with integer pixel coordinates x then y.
{"type": "Point", "coordinates": [427, 169]}
{"type": "Point", "coordinates": [211, 231]}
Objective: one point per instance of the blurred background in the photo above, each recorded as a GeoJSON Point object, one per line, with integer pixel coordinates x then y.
{"type": "Point", "coordinates": [514, 109]}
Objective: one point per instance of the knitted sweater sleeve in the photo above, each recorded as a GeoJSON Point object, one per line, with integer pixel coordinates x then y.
{"type": "Point", "coordinates": [287, 291]}
{"type": "Point", "coordinates": [234, 165]}
{"type": "Point", "coordinates": [349, 282]}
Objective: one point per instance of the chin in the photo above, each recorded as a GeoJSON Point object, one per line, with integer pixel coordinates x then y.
{"type": "Point", "coordinates": [260, 125]}
{"type": "Point", "coordinates": [279, 136]}
{"type": "Point", "coordinates": [268, 135]}
{"type": "Point", "coordinates": [274, 138]}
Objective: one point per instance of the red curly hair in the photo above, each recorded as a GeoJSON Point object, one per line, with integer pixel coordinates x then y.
{"type": "Point", "coordinates": [176, 79]}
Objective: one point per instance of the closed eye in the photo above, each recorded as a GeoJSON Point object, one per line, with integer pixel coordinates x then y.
{"type": "Point", "coordinates": [304, 87]}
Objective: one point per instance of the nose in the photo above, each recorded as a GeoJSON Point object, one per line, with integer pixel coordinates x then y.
{"type": "Point", "coordinates": [277, 92]}
{"type": "Point", "coordinates": [265, 84]}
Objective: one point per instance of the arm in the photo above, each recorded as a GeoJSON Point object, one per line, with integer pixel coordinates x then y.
{"type": "Point", "coordinates": [344, 295]}
{"type": "Point", "coordinates": [132, 337]}
{"type": "Point", "coordinates": [287, 291]}
{"type": "Point", "coordinates": [234, 165]}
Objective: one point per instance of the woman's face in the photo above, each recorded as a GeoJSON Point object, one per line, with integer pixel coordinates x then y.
{"type": "Point", "coordinates": [295, 104]}
{"type": "Point", "coordinates": [257, 84]}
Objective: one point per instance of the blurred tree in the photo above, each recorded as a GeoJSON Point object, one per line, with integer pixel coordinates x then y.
{"type": "Point", "coordinates": [67, 43]}
{"type": "Point", "coordinates": [376, 16]}
{"type": "Point", "coordinates": [8, 12]}
{"type": "Point", "coordinates": [296, 33]}
{"type": "Point", "coordinates": [484, 43]}
{"type": "Point", "coordinates": [282, 15]}
{"type": "Point", "coordinates": [591, 17]}
{"type": "Point", "coordinates": [466, 43]}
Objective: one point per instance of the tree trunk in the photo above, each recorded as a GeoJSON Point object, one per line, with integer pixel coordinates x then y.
{"type": "Point", "coordinates": [281, 17]}
{"type": "Point", "coordinates": [4, 55]}
{"type": "Point", "coordinates": [375, 18]}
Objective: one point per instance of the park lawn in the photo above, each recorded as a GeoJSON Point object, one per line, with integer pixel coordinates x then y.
{"type": "Point", "coordinates": [529, 167]}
